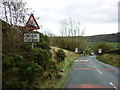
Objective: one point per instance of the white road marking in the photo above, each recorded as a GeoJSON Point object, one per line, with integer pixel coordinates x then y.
{"type": "Point", "coordinates": [98, 70]}
{"type": "Point", "coordinates": [83, 60]}
{"type": "Point", "coordinates": [113, 85]}
{"type": "Point", "coordinates": [110, 82]}
{"type": "Point", "coordinates": [76, 60]}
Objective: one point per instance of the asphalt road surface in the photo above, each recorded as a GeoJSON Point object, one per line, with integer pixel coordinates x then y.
{"type": "Point", "coordinates": [88, 72]}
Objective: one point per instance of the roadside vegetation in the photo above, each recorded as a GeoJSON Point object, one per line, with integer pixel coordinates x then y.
{"type": "Point", "coordinates": [114, 44]}
{"type": "Point", "coordinates": [48, 63]}
{"type": "Point", "coordinates": [110, 53]}
{"type": "Point", "coordinates": [111, 59]}
{"type": "Point", "coordinates": [71, 36]}
{"type": "Point", "coordinates": [24, 67]}
{"type": "Point", "coordinates": [57, 79]}
{"type": "Point", "coordinates": [70, 43]}
{"type": "Point", "coordinates": [101, 45]}
{"type": "Point", "coordinates": [40, 67]}
{"type": "Point", "coordinates": [21, 64]}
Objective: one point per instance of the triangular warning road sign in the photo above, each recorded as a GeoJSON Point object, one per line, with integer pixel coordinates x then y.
{"type": "Point", "coordinates": [31, 23]}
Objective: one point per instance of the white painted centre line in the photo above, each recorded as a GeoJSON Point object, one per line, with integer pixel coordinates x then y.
{"type": "Point", "coordinates": [98, 70]}
{"type": "Point", "coordinates": [113, 85]}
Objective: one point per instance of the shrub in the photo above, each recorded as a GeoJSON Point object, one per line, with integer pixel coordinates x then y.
{"type": "Point", "coordinates": [12, 60]}
{"type": "Point", "coordinates": [114, 51]}
{"type": "Point", "coordinates": [31, 70]}
{"type": "Point", "coordinates": [60, 55]}
{"type": "Point", "coordinates": [69, 43]}
{"type": "Point", "coordinates": [44, 42]}
{"type": "Point", "coordinates": [15, 83]}
{"type": "Point", "coordinates": [45, 45]}
{"type": "Point", "coordinates": [8, 61]}
{"type": "Point", "coordinates": [20, 63]}
{"type": "Point", "coordinates": [17, 73]}
{"type": "Point", "coordinates": [112, 59]}
{"type": "Point", "coordinates": [12, 64]}
{"type": "Point", "coordinates": [102, 45]}
{"type": "Point", "coordinates": [40, 56]}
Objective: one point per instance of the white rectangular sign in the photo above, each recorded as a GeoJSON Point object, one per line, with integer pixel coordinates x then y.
{"type": "Point", "coordinates": [99, 50]}
{"type": "Point", "coordinates": [76, 49]}
{"type": "Point", "coordinates": [31, 37]}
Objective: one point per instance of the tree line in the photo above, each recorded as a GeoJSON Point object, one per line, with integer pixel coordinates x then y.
{"type": "Point", "coordinates": [70, 27]}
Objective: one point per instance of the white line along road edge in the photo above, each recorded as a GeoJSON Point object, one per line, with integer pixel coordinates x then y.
{"type": "Point", "coordinates": [113, 85]}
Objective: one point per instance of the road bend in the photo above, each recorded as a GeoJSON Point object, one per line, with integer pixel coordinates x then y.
{"type": "Point", "coordinates": [88, 72]}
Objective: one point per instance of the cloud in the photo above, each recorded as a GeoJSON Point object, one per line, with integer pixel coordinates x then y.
{"type": "Point", "coordinates": [103, 28]}
{"type": "Point", "coordinates": [88, 12]}
{"type": "Point", "coordinates": [93, 11]}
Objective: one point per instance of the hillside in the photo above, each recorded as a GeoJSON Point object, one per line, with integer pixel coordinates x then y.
{"type": "Point", "coordinates": [105, 37]}
{"type": "Point", "coordinates": [63, 70]}
{"type": "Point", "coordinates": [47, 65]}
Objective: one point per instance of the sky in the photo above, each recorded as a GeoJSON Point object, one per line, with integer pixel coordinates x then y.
{"type": "Point", "coordinates": [96, 16]}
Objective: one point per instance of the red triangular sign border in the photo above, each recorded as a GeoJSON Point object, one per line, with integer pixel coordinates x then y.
{"type": "Point", "coordinates": [31, 16]}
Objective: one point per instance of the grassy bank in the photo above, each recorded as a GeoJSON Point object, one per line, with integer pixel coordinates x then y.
{"type": "Point", "coordinates": [114, 44]}
{"type": "Point", "coordinates": [63, 67]}
{"type": "Point", "coordinates": [111, 59]}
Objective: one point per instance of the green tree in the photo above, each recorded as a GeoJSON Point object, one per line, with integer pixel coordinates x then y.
{"type": "Point", "coordinates": [102, 45]}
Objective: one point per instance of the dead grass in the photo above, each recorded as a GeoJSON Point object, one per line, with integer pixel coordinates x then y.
{"type": "Point", "coordinates": [63, 66]}
{"type": "Point", "coordinates": [63, 69]}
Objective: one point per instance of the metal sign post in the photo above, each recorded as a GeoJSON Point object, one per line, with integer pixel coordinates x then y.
{"type": "Point", "coordinates": [32, 45]}
{"type": "Point", "coordinates": [31, 25]}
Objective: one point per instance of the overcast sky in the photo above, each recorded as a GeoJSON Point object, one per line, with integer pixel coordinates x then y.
{"type": "Point", "coordinates": [96, 16]}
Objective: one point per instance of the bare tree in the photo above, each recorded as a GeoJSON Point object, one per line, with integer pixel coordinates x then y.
{"type": "Point", "coordinates": [14, 11]}
{"type": "Point", "coordinates": [63, 28]}
{"type": "Point", "coordinates": [9, 4]}
{"type": "Point", "coordinates": [83, 31]}
{"type": "Point", "coordinates": [5, 11]}
{"type": "Point", "coordinates": [70, 27]}
{"type": "Point", "coordinates": [78, 28]}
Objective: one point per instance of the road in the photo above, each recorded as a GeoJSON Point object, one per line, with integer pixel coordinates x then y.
{"type": "Point", "coordinates": [88, 72]}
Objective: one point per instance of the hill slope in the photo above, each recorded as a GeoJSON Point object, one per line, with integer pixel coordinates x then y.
{"type": "Point", "coordinates": [105, 37]}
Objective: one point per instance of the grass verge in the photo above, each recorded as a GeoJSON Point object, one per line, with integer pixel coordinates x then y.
{"type": "Point", "coordinates": [111, 59]}
{"type": "Point", "coordinates": [63, 70]}
{"type": "Point", "coordinates": [114, 44]}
